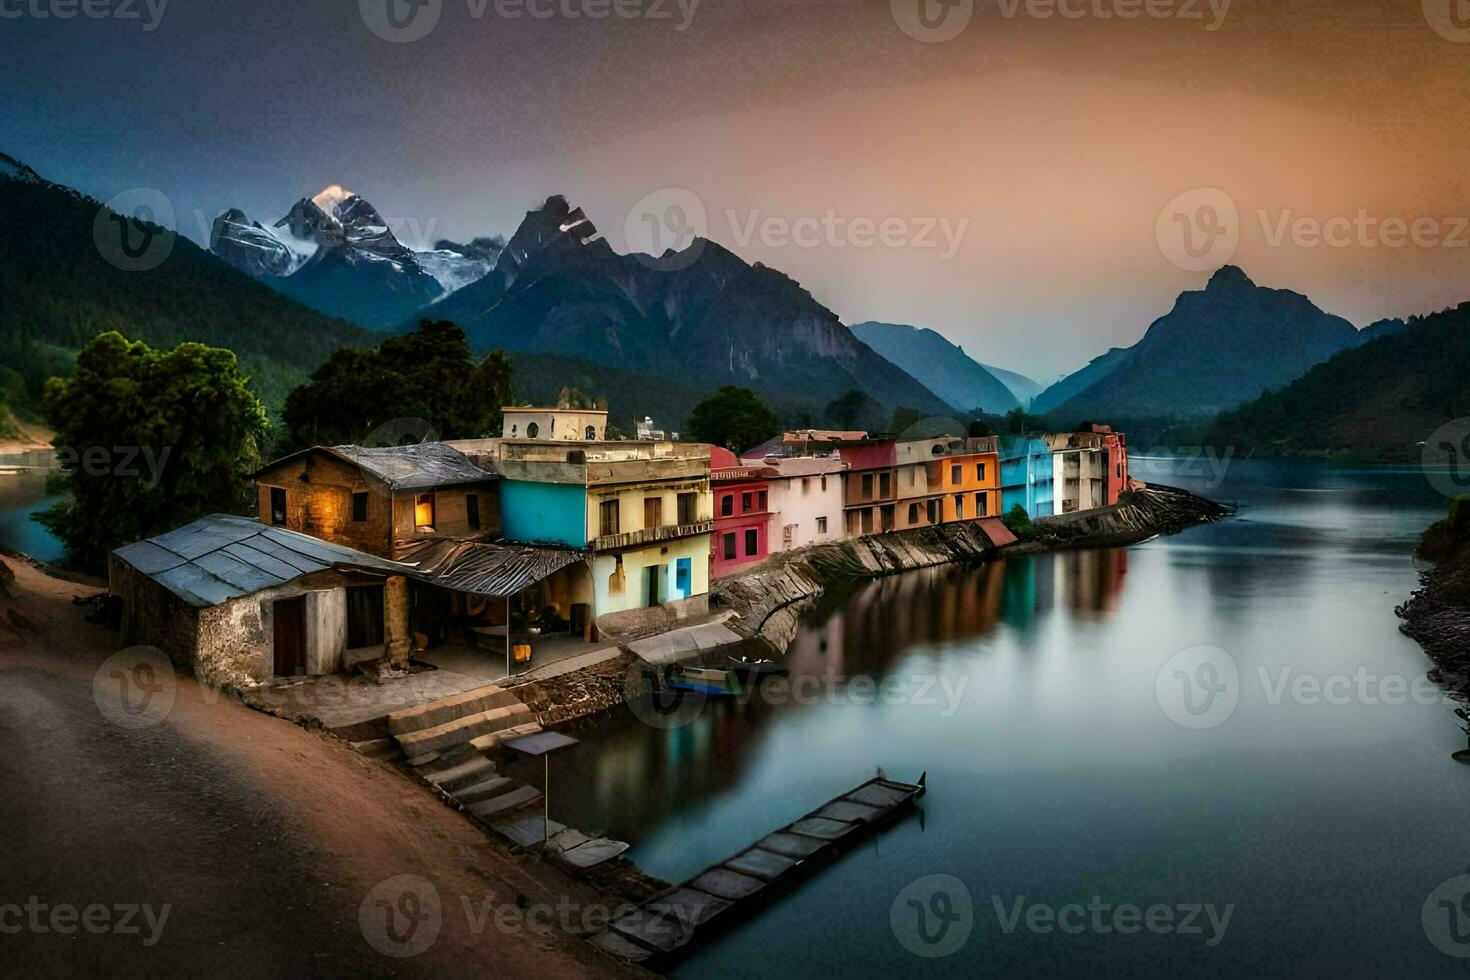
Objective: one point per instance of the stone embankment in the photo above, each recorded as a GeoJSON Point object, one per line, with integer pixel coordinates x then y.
{"type": "Point", "coordinates": [1437, 615]}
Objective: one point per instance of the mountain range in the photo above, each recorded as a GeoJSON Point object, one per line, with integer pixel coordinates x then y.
{"type": "Point", "coordinates": [335, 253]}
{"type": "Point", "coordinates": [1218, 347]}
{"type": "Point", "coordinates": [701, 316]}
{"type": "Point", "coordinates": [943, 367]}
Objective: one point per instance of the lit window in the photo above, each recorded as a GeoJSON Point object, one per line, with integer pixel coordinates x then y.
{"type": "Point", "coordinates": [423, 512]}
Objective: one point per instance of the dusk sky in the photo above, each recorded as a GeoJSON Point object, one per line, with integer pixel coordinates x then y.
{"type": "Point", "coordinates": [1047, 147]}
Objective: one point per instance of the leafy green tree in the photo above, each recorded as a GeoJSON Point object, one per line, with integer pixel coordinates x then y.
{"type": "Point", "coordinates": [1018, 522]}
{"type": "Point", "coordinates": [149, 440]}
{"type": "Point", "coordinates": [428, 374]}
{"type": "Point", "coordinates": [1019, 422]}
{"type": "Point", "coordinates": [734, 418]}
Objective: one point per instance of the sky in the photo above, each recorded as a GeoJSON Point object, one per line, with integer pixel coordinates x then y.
{"type": "Point", "coordinates": [1036, 188]}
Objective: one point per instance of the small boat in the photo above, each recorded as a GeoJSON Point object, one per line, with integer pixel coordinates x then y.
{"type": "Point", "coordinates": [705, 680]}
{"type": "Point", "coordinates": [747, 668]}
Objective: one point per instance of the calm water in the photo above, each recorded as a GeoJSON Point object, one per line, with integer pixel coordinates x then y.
{"type": "Point", "coordinates": [1056, 772]}
{"type": "Point", "coordinates": [21, 495]}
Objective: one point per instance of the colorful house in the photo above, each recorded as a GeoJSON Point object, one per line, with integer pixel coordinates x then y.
{"type": "Point", "coordinates": [870, 486]}
{"type": "Point", "coordinates": [642, 511]}
{"type": "Point", "coordinates": [1116, 446]}
{"type": "Point", "coordinates": [946, 479]}
{"type": "Point", "coordinates": [806, 501]}
{"type": "Point", "coordinates": [1026, 475]}
{"type": "Point", "coordinates": [742, 511]}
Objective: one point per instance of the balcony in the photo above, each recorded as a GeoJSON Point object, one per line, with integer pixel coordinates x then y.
{"type": "Point", "coordinates": [651, 535]}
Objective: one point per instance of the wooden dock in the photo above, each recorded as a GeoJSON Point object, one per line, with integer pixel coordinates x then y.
{"type": "Point", "coordinates": [667, 925]}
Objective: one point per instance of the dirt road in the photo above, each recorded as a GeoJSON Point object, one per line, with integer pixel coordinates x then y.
{"type": "Point", "coordinates": [217, 840]}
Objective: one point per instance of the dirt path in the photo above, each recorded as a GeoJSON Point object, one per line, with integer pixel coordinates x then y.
{"type": "Point", "coordinates": [265, 842]}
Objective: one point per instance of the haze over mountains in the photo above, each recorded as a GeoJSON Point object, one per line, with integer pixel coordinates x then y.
{"type": "Point", "coordinates": [943, 367]}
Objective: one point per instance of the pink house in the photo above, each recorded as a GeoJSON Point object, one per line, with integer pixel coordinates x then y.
{"type": "Point", "coordinates": [742, 493]}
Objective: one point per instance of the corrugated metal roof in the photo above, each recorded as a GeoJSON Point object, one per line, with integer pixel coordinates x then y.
{"type": "Point", "coordinates": [416, 467]}
{"type": "Point", "coordinates": [223, 557]}
{"type": "Point", "coordinates": [483, 568]}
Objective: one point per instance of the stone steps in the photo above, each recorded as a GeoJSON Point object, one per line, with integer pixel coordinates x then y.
{"type": "Point", "coordinates": [448, 710]}
{"type": "Point", "coordinates": [485, 743]}
{"type": "Point", "coordinates": [464, 729]}
{"type": "Point", "coordinates": [384, 749]}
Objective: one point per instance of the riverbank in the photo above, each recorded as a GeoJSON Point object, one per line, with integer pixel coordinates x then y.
{"type": "Point", "coordinates": [769, 598]}
{"type": "Point", "coordinates": [1437, 615]}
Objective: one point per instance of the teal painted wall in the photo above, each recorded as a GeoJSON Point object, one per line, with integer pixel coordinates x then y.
{"type": "Point", "coordinates": [544, 513]}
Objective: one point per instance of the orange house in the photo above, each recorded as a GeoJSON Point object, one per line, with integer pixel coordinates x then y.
{"type": "Point", "coordinates": [968, 483]}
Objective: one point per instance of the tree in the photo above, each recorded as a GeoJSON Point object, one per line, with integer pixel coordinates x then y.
{"type": "Point", "coordinates": [149, 440]}
{"type": "Point", "coordinates": [428, 374]}
{"type": "Point", "coordinates": [904, 417]}
{"type": "Point", "coordinates": [856, 410]}
{"type": "Point", "coordinates": [734, 418]}
{"type": "Point", "coordinates": [1019, 422]}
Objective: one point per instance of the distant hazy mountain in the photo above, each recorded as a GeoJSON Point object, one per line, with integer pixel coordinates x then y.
{"type": "Point", "coordinates": [1218, 347]}
{"type": "Point", "coordinates": [701, 317]}
{"type": "Point", "coordinates": [942, 367]}
{"type": "Point", "coordinates": [335, 253]}
{"type": "Point", "coordinates": [1025, 389]}
{"type": "Point", "coordinates": [1377, 401]}
{"type": "Point", "coordinates": [58, 291]}
{"type": "Point", "coordinates": [1078, 381]}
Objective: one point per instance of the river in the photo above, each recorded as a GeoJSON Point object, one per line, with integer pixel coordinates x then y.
{"type": "Point", "coordinates": [1210, 753]}
{"type": "Point", "coordinates": [22, 494]}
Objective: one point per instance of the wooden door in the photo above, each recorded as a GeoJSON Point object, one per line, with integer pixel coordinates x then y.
{"type": "Point", "coordinates": [289, 629]}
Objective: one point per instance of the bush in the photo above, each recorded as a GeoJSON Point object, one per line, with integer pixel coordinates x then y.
{"type": "Point", "coordinates": [1018, 522]}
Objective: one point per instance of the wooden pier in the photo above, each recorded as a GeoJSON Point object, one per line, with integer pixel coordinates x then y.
{"type": "Point", "coordinates": [668, 924]}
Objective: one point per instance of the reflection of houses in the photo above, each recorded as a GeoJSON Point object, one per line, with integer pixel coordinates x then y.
{"type": "Point", "coordinates": [742, 509]}
{"type": "Point", "coordinates": [641, 511]}
{"type": "Point", "coordinates": [1026, 475]}
{"type": "Point", "coordinates": [378, 500]}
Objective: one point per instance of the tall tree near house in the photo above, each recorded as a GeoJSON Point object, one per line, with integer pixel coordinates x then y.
{"type": "Point", "coordinates": [149, 440]}
{"type": "Point", "coordinates": [428, 374]}
{"type": "Point", "coordinates": [733, 418]}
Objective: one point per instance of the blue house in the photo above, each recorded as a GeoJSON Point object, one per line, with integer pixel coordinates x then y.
{"type": "Point", "coordinates": [1026, 475]}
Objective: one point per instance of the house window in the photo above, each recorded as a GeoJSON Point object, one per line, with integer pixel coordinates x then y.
{"type": "Point", "coordinates": [359, 507]}
{"type": "Point", "coordinates": [979, 505]}
{"type": "Point", "coordinates": [653, 512]}
{"type": "Point", "coordinates": [364, 616]}
{"type": "Point", "coordinates": [727, 504]}
{"type": "Point", "coordinates": [980, 472]}
{"type": "Point", "coordinates": [532, 430]}
{"type": "Point", "coordinates": [959, 507]}
{"type": "Point", "coordinates": [278, 507]}
{"type": "Point", "coordinates": [934, 511]}
{"type": "Point", "coordinates": [821, 525]}
{"type": "Point", "coordinates": [805, 484]}
{"type": "Point", "coordinates": [867, 486]}
{"type": "Point", "coordinates": [729, 546]}
{"type": "Point", "coordinates": [824, 483]}
{"type": "Point", "coordinates": [607, 518]}
{"type": "Point", "coordinates": [954, 475]}
{"type": "Point", "coordinates": [752, 541]}
{"type": "Point", "coordinates": [745, 502]}
{"type": "Point", "coordinates": [913, 513]}
{"type": "Point", "coordinates": [760, 500]}
{"type": "Point", "coordinates": [885, 484]}
{"type": "Point", "coordinates": [472, 510]}
{"type": "Point", "coordinates": [867, 521]}
{"type": "Point", "coordinates": [591, 434]}
{"type": "Point", "coordinates": [515, 430]}
{"type": "Point", "coordinates": [688, 504]}
{"type": "Point", "coordinates": [886, 514]}
{"type": "Point", "coordinates": [423, 512]}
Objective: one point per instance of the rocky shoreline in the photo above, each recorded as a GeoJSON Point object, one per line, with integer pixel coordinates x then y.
{"type": "Point", "coordinates": [769, 598]}
{"type": "Point", "coordinates": [1437, 614]}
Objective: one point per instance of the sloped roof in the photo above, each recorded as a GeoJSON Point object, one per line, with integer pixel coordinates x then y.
{"type": "Point", "coordinates": [416, 467]}
{"type": "Point", "coordinates": [421, 466]}
{"type": "Point", "coordinates": [485, 568]}
{"type": "Point", "coordinates": [223, 557]}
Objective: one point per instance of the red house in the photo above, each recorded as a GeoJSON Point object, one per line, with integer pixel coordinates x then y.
{"type": "Point", "coordinates": [1116, 444]}
{"type": "Point", "coordinates": [742, 493]}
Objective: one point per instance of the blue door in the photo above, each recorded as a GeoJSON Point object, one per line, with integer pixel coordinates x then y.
{"type": "Point", "coordinates": [683, 570]}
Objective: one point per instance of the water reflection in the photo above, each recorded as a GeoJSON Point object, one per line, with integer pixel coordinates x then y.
{"type": "Point", "coordinates": [23, 494]}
